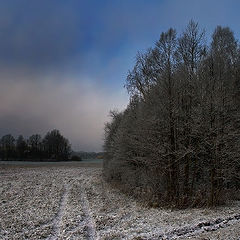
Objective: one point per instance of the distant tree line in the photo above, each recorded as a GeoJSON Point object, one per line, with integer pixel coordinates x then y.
{"type": "Point", "coordinates": [52, 147]}
{"type": "Point", "coordinates": [178, 141]}
{"type": "Point", "coordinates": [89, 155]}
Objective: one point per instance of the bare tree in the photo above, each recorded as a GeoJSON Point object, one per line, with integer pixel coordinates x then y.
{"type": "Point", "coordinates": [35, 144]}
{"type": "Point", "coordinates": [21, 147]}
{"type": "Point", "coordinates": [178, 138]}
{"type": "Point", "coordinates": [56, 146]}
{"type": "Point", "coordinates": [7, 146]}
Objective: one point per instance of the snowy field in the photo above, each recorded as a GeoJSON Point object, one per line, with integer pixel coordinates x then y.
{"type": "Point", "coordinates": [72, 202]}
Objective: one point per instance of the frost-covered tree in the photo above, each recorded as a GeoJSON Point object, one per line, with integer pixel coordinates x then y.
{"type": "Point", "coordinates": [177, 141]}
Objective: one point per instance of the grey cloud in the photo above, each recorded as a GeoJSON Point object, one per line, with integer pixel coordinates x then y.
{"type": "Point", "coordinates": [79, 110]}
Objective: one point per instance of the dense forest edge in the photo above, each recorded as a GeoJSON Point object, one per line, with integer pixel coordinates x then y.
{"type": "Point", "coordinates": [177, 142]}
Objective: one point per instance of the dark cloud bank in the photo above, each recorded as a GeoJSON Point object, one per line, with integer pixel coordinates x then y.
{"type": "Point", "coordinates": [63, 63]}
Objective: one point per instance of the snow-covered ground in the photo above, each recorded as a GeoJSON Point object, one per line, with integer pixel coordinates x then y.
{"type": "Point", "coordinates": [73, 202]}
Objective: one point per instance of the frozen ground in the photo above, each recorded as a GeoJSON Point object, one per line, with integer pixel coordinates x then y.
{"type": "Point", "coordinates": [72, 202]}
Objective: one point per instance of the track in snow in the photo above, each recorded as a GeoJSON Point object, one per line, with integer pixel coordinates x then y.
{"type": "Point", "coordinates": [88, 220]}
{"type": "Point", "coordinates": [208, 226]}
{"type": "Point", "coordinates": [58, 219]}
{"type": "Point", "coordinates": [87, 223]}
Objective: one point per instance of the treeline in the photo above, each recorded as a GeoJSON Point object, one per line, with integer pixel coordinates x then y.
{"type": "Point", "coordinates": [89, 155]}
{"type": "Point", "coordinates": [52, 147]}
{"type": "Point", "coordinates": [178, 140]}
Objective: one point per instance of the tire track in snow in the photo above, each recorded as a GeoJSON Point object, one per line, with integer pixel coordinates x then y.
{"type": "Point", "coordinates": [88, 220]}
{"type": "Point", "coordinates": [208, 226]}
{"type": "Point", "coordinates": [58, 218]}
{"type": "Point", "coordinates": [87, 223]}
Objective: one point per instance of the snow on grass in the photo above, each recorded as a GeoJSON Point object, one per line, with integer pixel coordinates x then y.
{"type": "Point", "coordinates": [75, 203]}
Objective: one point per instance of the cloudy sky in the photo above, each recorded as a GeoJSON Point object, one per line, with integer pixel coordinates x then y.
{"type": "Point", "coordinates": [63, 63]}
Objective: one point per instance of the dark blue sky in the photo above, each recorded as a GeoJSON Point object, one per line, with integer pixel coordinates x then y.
{"type": "Point", "coordinates": [63, 63]}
